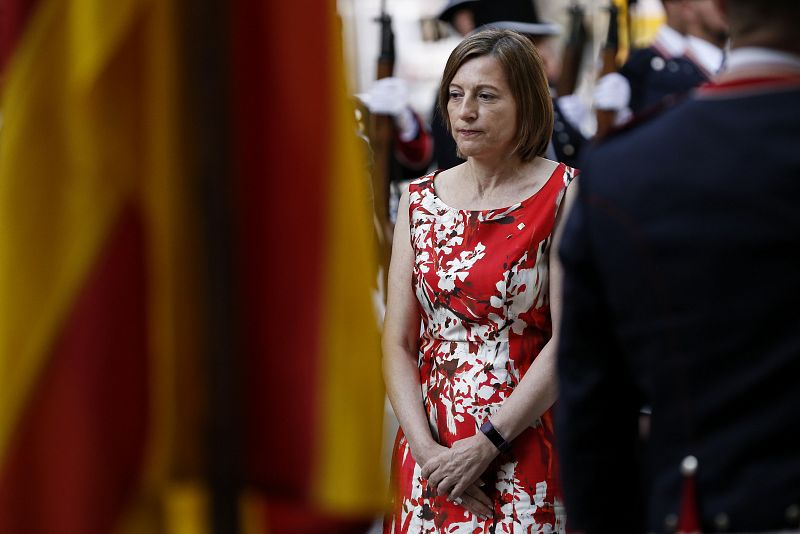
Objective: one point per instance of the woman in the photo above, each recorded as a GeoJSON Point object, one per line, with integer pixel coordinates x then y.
{"type": "Point", "coordinates": [471, 261]}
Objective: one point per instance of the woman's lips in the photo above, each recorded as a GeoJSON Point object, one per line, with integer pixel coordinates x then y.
{"type": "Point", "coordinates": [468, 133]}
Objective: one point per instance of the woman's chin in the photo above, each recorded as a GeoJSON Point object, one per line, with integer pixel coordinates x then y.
{"type": "Point", "coordinates": [466, 150]}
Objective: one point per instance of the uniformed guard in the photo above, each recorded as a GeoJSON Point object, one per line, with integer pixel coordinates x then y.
{"type": "Point", "coordinates": [461, 15]}
{"type": "Point", "coordinates": [686, 52]}
{"type": "Point", "coordinates": [681, 292]}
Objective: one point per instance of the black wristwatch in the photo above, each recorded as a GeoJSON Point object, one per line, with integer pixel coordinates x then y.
{"type": "Point", "coordinates": [495, 437]}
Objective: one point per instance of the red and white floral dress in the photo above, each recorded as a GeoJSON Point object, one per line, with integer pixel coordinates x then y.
{"type": "Point", "coordinates": [481, 278]}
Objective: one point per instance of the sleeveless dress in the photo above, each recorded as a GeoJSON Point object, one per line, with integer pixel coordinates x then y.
{"type": "Point", "coordinates": [481, 279]}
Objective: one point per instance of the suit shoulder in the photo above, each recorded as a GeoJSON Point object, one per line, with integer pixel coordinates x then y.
{"type": "Point", "coordinates": [639, 145]}
{"type": "Point", "coordinates": [650, 115]}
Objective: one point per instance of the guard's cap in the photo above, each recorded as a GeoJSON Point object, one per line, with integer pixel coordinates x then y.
{"type": "Point", "coordinates": [517, 15]}
{"type": "Point", "coordinates": [446, 15]}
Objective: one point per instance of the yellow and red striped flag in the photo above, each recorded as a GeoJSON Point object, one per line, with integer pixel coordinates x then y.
{"type": "Point", "coordinates": [98, 318]}
{"type": "Point", "coordinates": [108, 302]}
{"type": "Point", "coordinates": [314, 409]}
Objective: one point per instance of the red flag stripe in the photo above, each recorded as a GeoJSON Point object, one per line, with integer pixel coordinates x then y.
{"type": "Point", "coordinates": [77, 453]}
{"type": "Point", "coordinates": [14, 15]}
{"type": "Point", "coordinates": [280, 134]}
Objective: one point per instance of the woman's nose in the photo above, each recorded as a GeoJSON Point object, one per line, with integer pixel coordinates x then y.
{"type": "Point", "coordinates": [468, 109]}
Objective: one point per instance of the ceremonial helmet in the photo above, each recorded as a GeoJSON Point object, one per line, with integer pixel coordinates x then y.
{"type": "Point", "coordinates": [446, 14]}
{"type": "Point", "coordinates": [517, 15]}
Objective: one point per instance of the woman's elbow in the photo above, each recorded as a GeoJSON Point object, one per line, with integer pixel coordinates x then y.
{"type": "Point", "coordinates": [397, 348]}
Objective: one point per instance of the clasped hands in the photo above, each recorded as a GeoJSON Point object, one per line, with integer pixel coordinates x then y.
{"type": "Point", "coordinates": [456, 472]}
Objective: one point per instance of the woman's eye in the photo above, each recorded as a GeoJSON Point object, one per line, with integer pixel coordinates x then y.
{"type": "Point", "coordinates": [454, 94]}
{"type": "Point", "coordinates": [485, 96]}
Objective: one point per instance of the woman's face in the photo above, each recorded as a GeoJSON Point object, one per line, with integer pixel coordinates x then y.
{"type": "Point", "coordinates": [482, 110]}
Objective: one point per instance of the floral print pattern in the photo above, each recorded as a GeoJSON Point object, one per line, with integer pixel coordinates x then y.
{"type": "Point", "coordinates": [481, 279]}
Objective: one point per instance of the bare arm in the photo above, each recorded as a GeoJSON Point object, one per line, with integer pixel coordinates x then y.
{"type": "Point", "coordinates": [400, 342]}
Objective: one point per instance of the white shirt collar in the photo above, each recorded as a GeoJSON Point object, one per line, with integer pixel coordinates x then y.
{"type": "Point", "coordinates": [752, 56]}
{"type": "Point", "coordinates": [705, 54]}
{"type": "Point", "coordinates": [670, 41]}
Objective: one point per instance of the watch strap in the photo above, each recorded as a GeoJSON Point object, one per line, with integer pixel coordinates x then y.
{"type": "Point", "coordinates": [495, 437]}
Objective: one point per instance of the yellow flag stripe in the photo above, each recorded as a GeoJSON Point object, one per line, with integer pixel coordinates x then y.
{"type": "Point", "coordinates": [50, 228]}
{"type": "Point", "coordinates": [173, 497]}
{"type": "Point", "coordinates": [96, 31]}
{"type": "Point", "coordinates": [171, 257]}
{"type": "Point", "coordinates": [92, 121]}
{"type": "Point", "coordinates": [350, 477]}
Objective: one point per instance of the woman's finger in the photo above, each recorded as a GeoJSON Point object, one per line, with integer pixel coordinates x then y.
{"type": "Point", "coordinates": [434, 479]}
{"type": "Point", "coordinates": [429, 467]}
{"type": "Point", "coordinates": [479, 495]}
{"type": "Point", "coordinates": [463, 480]}
{"type": "Point", "coordinates": [475, 506]}
{"type": "Point", "coordinates": [459, 487]}
{"type": "Point", "coordinates": [434, 463]}
{"type": "Point", "coordinates": [446, 485]}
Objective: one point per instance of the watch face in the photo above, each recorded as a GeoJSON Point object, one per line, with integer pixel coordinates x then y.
{"type": "Point", "coordinates": [494, 436]}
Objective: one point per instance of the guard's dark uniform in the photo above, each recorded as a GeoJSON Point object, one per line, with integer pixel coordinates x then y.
{"type": "Point", "coordinates": [567, 140]}
{"type": "Point", "coordinates": [654, 75]}
{"type": "Point", "coordinates": [682, 292]}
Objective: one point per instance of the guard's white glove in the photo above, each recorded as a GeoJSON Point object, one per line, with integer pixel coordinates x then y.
{"type": "Point", "coordinates": [622, 116]}
{"type": "Point", "coordinates": [573, 110]}
{"type": "Point", "coordinates": [612, 92]}
{"type": "Point", "coordinates": [389, 96]}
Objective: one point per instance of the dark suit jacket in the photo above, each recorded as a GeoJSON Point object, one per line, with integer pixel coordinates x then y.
{"type": "Point", "coordinates": [682, 292]}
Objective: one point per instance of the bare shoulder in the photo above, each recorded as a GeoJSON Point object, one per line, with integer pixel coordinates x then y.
{"type": "Point", "coordinates": [545, 167]}
{"type": "Point", "coordinates": [537, 173]}
{"type": "Point", "coordinates": [403, 206]}
{"type": "Point", "coordinates": [446, 179]}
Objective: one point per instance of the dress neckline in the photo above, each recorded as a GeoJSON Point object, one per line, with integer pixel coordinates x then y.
{"type": "Point", "coordinates": [559, 170]}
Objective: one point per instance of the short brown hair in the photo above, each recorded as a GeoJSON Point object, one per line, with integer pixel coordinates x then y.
{"type": "Point", "coordinates": [774, 22]}
{"type": "Point", "coordinates": [526, 77]}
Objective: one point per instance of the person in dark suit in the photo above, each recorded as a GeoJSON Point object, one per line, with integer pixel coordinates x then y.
{"type": "Point", "coordinates": [682, 292]}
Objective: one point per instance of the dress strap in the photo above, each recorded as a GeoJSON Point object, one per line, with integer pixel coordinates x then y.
{"type": "Point", "coordinates": [570, 173]}
{"type": "Point", "coordinates": [418, 189]}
